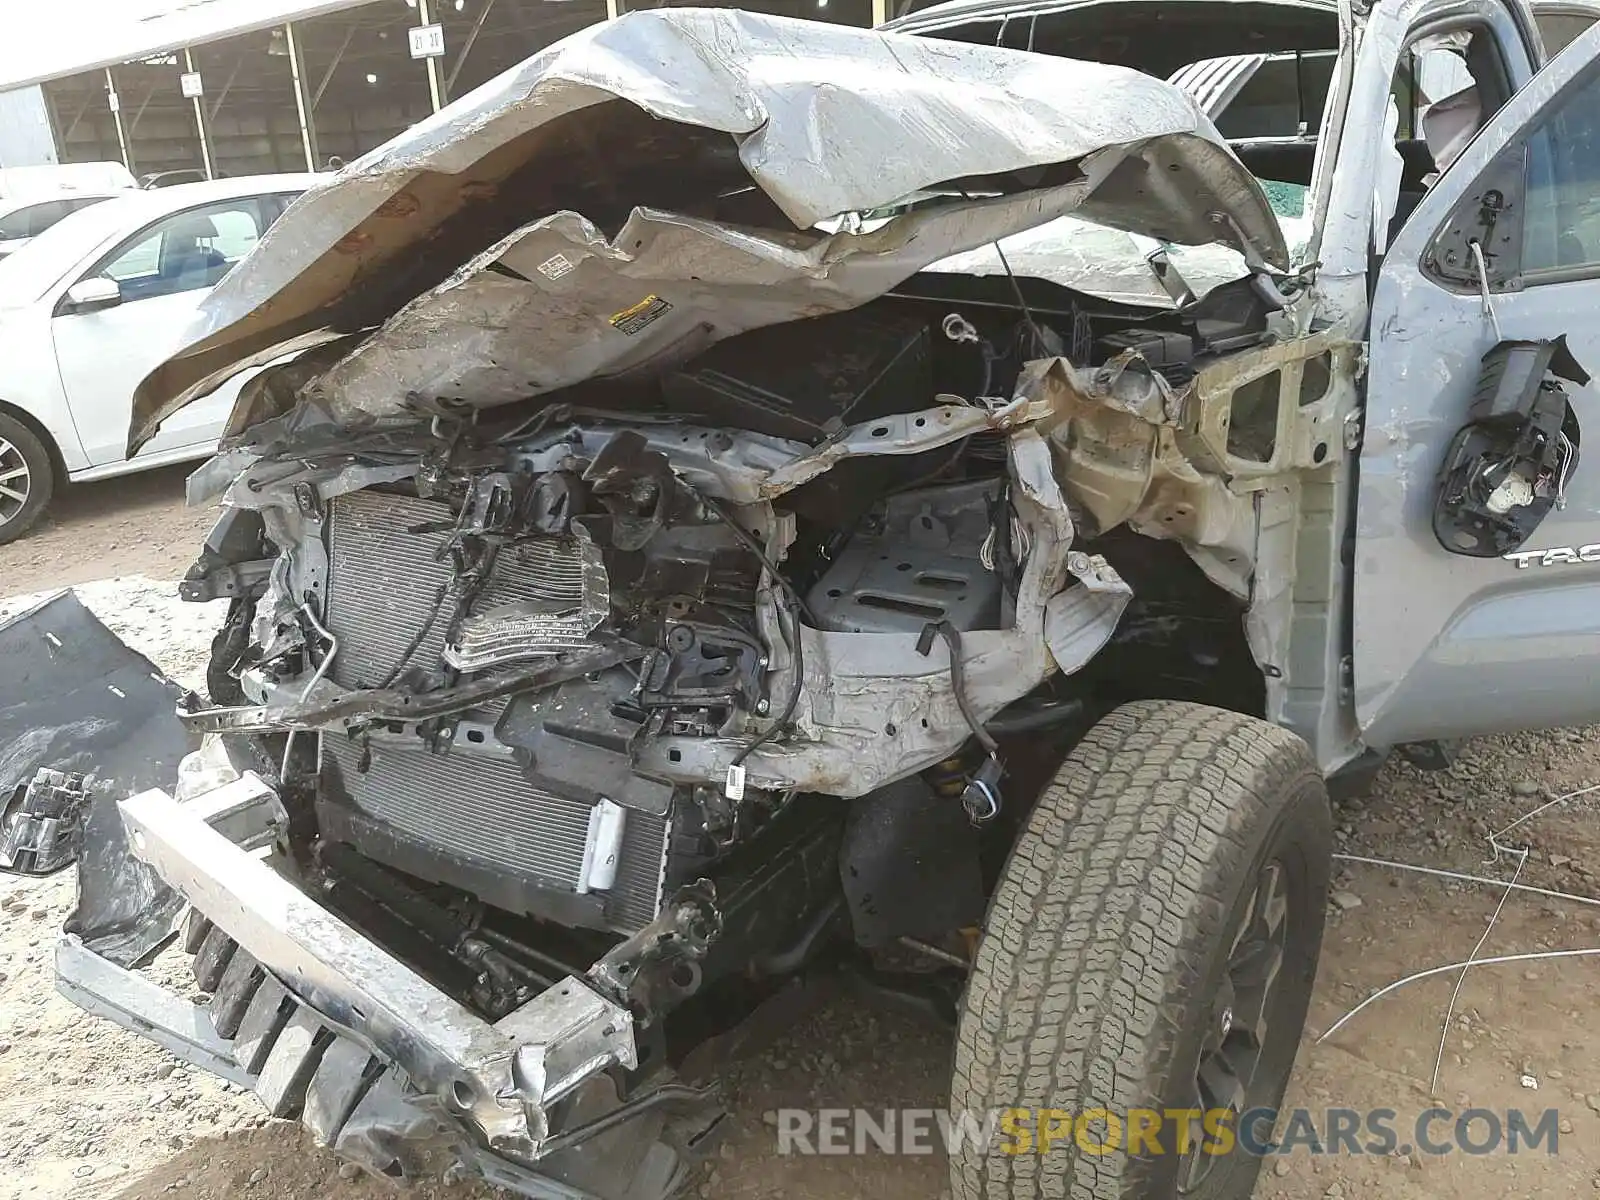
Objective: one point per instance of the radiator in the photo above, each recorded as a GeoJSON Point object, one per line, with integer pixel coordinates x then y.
{"type": "Point", "coordinates": [475, 807]}
{"type": "Point", "coordinates": [384, 581]}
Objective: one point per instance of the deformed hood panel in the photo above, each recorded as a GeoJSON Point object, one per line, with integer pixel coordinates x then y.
{"type": "Point", "coordinates": [749, 129]}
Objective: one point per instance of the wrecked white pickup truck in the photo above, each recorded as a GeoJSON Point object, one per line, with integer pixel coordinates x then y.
{"type": "Point", "coordinates": [753, 497]}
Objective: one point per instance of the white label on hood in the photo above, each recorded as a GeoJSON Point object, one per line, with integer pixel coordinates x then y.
{"type": "Point", "coordinates": [555, 266]}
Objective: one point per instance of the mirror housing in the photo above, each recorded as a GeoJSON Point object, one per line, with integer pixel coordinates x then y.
{"type": "Point", "coordinates": [93, 294]}
{"type": "Point", "coordinates": [1510, 464]}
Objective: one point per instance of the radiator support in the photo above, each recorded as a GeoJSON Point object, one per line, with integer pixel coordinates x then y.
{"type": "Point", "coordinates": [459, 809]}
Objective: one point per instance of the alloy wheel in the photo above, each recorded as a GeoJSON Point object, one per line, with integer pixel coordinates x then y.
{"type": "Point", "coordinates": [16, 481]}
{"type": "Point", "coordinates": [1242, 1015]}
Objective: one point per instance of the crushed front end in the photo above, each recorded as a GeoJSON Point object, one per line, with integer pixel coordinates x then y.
{"type": "Point", "coordinates": [620, 621]}
{"type": "Point", "coordinates": [543, 731]}
{"type": "Point", "coordinates": [323, 1024]}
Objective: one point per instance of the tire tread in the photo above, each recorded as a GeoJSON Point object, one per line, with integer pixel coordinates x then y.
{"type": "Point", "coordinates": [1099, 926]}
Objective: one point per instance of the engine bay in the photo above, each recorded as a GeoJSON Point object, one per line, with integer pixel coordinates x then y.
{"type": "Point", "coordinates": [559, 662]}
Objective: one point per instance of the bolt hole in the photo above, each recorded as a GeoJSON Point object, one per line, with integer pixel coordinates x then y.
{"type": "Point", "coordinates": [881, 431]}
{"type": "Point", "coordinates": [675, 755]}
{"type": "Point", "coordinates": [1320, 453]}
{"type": "Point", "coordinates": [462, 1093]}
{"type": "Point", "coordinates": [890, 729]}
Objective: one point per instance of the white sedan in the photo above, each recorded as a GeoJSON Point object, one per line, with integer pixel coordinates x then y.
{"type": "Point", "coordinates": [92, 305]}
{"type": "Point", "coordinates": [23, 220]}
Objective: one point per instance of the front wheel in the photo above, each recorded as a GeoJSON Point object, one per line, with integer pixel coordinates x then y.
{"type": "Point", "coordinates": [27, 478]}
{"type": "Point", "coordinates": [1147, 963]}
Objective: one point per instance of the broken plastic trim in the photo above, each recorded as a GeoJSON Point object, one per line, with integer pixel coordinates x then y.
{"type": "Point", "coordinates": [1508, 466]}
{"type": "Point", "coordinates": [76, 700]}
{"type": "Point", "coordinates": [445, 1050]}
{"type": "Point", "coordinates": [326, 704]}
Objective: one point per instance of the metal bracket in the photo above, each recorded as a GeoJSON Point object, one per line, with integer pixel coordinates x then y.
{"type": "Point", "coordinates": [445, 1050]}
{"type": "Point", "coordinates": [239, 579]}
{"type": "Point", "coordinates": [1352, 431]}
{"type": "Point", "coordinates": [568, 1034]}
{"type": "Point", "coordinates": [247, 811]}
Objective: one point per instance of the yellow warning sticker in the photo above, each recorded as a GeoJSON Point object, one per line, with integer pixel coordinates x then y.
{"type": "Point", "coordinates": [631, 320]}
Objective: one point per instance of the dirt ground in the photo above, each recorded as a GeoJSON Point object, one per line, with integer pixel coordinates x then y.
{"type": "Point", "coordinates": [87, 1110]}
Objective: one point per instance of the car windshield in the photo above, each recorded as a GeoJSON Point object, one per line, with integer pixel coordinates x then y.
{"type": "Point", "coordinates": [31, 270]}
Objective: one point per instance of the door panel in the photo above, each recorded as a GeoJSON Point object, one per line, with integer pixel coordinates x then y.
{"type": "Point", "coordinates": [1447, 645]}
{"type": "Point", "coordinates": [164, 272]}
{"type": "Point", "coordinates": [102, 357]}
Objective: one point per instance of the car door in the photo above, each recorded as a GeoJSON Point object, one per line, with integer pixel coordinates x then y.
{"type": "Point", "coordinates": [162, 272]}
{"type": "Point", "coordinates": [1446, 643]}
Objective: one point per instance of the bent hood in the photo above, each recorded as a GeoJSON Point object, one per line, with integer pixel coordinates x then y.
{"type": "Point", "coordinates": [653, 184]}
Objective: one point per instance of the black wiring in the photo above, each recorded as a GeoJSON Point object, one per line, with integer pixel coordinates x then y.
{"type": "Point", "coordinates": [958, 679]}
{"type": "Point", "coordinates": [795, 639]}
{"type": "Point", "coordinates": [793, 636]}
{"type": "Point", "coordinates": [421, 635]}
{"type": "Point", "coordinates": [929, 477]}
{"type": "Point", "coordinates": [438, 599]}
{"type": "Point", "coordinates": [1041, 346]}
{"type": "Point", "coordinates": [752, 544]}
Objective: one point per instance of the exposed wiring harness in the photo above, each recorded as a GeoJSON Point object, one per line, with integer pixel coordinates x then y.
{"type": "Point", "coordinates": [792, 635]}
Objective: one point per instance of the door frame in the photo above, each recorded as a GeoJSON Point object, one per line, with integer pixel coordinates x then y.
{"type": "Point", "coordinates": [1420, 612]}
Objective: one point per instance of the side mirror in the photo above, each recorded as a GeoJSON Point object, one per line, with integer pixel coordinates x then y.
{"type": "Point", "coordinates": [91, 295]}
{"type": "Point", "coordinates": [1510, 464]}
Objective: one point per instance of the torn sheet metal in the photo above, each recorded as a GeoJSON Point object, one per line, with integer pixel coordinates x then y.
{"type": "Point", "coordinates": [75, 699]}
{"type": "Point", "coordinates": [821, 119]}
{"type": "Point", "coordinates": [872, 707]}
{"type": "Point", "coordinates": [1115, 428]}
{"type": "Point", "coordinates": [664, 289]}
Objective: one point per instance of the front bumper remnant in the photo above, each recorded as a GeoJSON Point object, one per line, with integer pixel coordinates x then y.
{"type": "Point", "coordinates": [318, 1020]}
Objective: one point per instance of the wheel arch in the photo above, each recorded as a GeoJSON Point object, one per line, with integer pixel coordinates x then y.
{"type": "Point", "coordinates": [40, 430]}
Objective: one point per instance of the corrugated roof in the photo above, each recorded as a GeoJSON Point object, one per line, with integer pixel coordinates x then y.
{"type": "Point", "coordinates": [104, 40]}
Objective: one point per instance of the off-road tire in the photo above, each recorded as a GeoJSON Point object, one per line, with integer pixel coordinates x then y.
{"type": "Point", "coordinates": [1109, 935]}
{"type": "Point", "coordinates": [35, 455]}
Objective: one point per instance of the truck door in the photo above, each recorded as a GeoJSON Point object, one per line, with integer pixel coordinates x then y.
{"type": "Point", "coordinates": [1446, 641]}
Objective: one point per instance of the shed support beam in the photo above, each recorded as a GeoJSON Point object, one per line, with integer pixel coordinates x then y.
{"type": "Point", "coordinates": [83, 111]}
{"type": "Point", "coordinates": [435, 84]}
{"type": "Point", "coordinates": [116, 115]}
{"type": "Point", "coordinates": [327, 76]}
{"type": "Point", "coordinates": [303, 106]}
{"type": "Point", "coordinates": [466, 47]}
{"type": "Point", "coordinates": [200, 120]}
{"type": "Point", "coordinates": [138, 114]}
{"type": "Point", "coordinates": [233, 76]}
